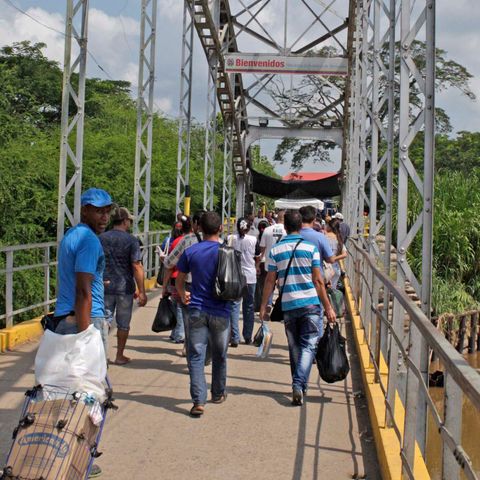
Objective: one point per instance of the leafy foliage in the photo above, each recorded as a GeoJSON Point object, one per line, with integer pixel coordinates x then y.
{"type": "Point", "coordinates": [30, 107]}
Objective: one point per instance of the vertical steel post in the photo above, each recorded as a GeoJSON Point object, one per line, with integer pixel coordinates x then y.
{"type": "Point", "coordinates": [9, 289]}
{"type": "Point", "coordinates": [143, 149]}
{"type": "Point", "coordinates": [240, 196]}
{"type": "Point", "coordinates": [71, 144]}
{"type": "Point", "coordinates": [211, 125]}
{"type": "Point", "coordinates": [46, 279]}
{"type": "Point", "coordinates": [210, 136]}
{"type": "Point", "coordinates": [185, 120]}
{"type": "Point", "coordinates": [412, 22]}
{"type": "Point", "coordinates": [227, 176]}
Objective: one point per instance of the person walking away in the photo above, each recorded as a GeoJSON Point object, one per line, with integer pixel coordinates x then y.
{"type": "Point", "coordinates": [123, 270]}
{"type": "Point", "coordinates": [343, 227]}
{"type": "Point", "coordinates": [271, 236]}
{"type": "Point", "coordinates": [303, 291]}
{"type": "Point", "coordinates": [260, 266]}
{"type": "Point", "coordinates": [81, 263]}
{"type": "Point", "coordinates": [308, 214]}
{"type": "Point", "coordinates": [178, 333]}
{"type": "Point", "coordinates": [334, 237]}
{"type": "Point", "coordinates": [174, 256]}
{"type": "Point", "coordinates": [246, 245]}
{"type": "Point", "coordinates": [209, 317]}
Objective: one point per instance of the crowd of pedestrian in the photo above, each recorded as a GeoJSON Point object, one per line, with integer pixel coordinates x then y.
{"type": "Point", "coordinates": [101, 272]}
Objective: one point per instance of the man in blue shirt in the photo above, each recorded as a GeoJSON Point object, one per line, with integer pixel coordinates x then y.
{"type": "Point", "coordinates": [81, 263]}
{"type": "Point", "coordinates": [308, 214]}
{"type": "Point", "coordinates": [209, 317]}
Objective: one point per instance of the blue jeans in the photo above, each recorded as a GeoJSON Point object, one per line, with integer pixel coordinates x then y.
{"type": "Point", "coordinates": [178, 333]}
{"type": "Point", "coordinates": [202, 329]}
{"type": "Point", "coordinates": [121, 306]}
{"type": "Point", "coordinates": [303, 327]}
{"type": "Point", "coordinates": [67, 328]}
{"type": "Point", "coordinates": [248, 310]}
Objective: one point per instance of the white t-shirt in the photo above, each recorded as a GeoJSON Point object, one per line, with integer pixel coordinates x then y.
{"type": "Point", "coordinates": [246, 246]}
{"type": "Point", "coordinates": [271, 236]}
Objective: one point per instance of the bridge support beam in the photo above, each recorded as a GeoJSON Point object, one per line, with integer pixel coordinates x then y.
{"type": "Point", "coordinates": [211, 123]}
{"type": "Point", "coordinates": [185, 120]}
{"type": "Point", "coordinates": [71, 144]}
{"type": "Point", "coordinates": [227, 177]}
{"type": "Point", "coordinates": [143, 149]}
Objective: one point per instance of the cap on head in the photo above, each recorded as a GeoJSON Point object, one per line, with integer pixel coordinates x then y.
{"type": "Point", "coordinates": [120, 214]}
{"type": "Point", "coordinates": [338, 215]}
{"type": "Point", "coordinates": [96, 197]}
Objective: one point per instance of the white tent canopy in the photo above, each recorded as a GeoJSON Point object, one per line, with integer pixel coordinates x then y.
{"type": "Point", "coordinates": [296, 203]}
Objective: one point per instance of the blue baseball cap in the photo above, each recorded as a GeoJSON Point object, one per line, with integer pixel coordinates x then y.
{"type": "Point", "coordinates": [96, 197]}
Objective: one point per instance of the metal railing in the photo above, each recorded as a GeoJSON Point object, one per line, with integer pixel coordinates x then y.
{"type": "Point", "coordinates": [397, 330]}
{"type": "Point", "coordinates": [19, 264]}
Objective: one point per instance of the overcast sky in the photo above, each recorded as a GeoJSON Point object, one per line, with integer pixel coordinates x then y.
{"type": "Point", "coordinates": [114, 37]}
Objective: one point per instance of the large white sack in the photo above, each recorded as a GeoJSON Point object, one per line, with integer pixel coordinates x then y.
{"type": "Point", "coordinates": [76, 362]}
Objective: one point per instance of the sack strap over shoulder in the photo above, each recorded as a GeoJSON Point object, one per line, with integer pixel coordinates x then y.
{"type": "Point", "coordinates": [288, 268]}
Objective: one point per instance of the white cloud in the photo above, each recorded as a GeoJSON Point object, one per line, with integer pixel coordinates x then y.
{"type": "Point", "coordinates": [164, 104]}
{"type": "Point", "coordinates": [15, 27]}
{"type": "Point", "coordinates": [171, 9]}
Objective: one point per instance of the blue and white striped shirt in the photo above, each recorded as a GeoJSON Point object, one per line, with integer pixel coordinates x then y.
{"type": "Point", "coordinates": [299, 290]}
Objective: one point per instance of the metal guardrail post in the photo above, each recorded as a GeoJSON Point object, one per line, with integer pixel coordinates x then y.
{"type": "Point", "coordinates": [453, 423]}
{"type": "Point", "coordinates": [412, 400]}
{"type": "Point", "coordinates": [46, 278]}
{"type": "Point", "coordinates": [9, 289]}
{"type": "Point", "coordinates": [393, 360]}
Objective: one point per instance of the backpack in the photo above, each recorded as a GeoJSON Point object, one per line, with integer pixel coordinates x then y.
{"type": "Point", "coordinates": [230, 282]}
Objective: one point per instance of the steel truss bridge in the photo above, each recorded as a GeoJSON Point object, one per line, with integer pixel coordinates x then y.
{"type": "Point", "coordinates": [350, 75]}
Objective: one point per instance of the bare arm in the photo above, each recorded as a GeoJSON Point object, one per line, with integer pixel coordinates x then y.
{"type": "Point", "coordinates": [83, 300]}
{"type": "Point", "coordinates": [322, 294]}
{"type": "Point", "coordinates": [268, 287]}
{"type": "Point", "coordinates": [180, 286]}
{"type": "Point", "coordinates": [139, 275]}
{"type": "Point", "coordinates": [167, 275]}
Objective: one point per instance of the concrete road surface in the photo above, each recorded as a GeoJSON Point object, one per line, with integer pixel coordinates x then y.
{"type": "Point", "coordinates": [255, 434]}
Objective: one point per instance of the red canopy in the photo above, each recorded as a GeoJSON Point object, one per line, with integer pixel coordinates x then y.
{"type": "Point", "coordinates": [308, 176]}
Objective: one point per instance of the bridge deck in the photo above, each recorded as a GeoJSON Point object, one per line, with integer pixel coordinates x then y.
{"type": "Point", "coordinates": [254, 434]}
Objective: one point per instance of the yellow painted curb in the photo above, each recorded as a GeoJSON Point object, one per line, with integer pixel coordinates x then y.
{"type": "Point", "coordinates": [150, 283]}
{"type": "Point", "coordinates": [21, 333]}
{"type": "Point", "coordinates": [387, 444]}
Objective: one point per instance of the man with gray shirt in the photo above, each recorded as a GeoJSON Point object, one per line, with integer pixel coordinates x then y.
{"type": "Point", "coordinates": [123, 270]}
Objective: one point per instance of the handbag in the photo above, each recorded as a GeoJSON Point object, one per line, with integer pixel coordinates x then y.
{"type": "Point", "coordinates": [277, 315]}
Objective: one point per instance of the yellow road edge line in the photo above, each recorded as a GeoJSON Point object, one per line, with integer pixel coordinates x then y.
{"type": "Point", "coordinates": [386, 441]}
{"type": "Point", "coordinates": [21, 333]}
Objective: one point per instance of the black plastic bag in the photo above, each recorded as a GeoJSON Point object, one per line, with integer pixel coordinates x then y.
{"type": "Point", "coordinates": [166, 317]}
{"type": "Point", "coordinates": [332, 361]}
{"type": "Point", "coordinates": [258, 338]}
{"type": "Point", "coordinates": [230, 282]}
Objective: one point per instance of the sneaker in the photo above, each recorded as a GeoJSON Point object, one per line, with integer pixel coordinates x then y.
{"type": "Point", "coordinates": [297, 398]}
{"type": "Point", "coordinates": [95, 471]}
{"type": "Point", "coordinates": [234, 344]}
{"type": "Point", "coordinates": [248, 341]}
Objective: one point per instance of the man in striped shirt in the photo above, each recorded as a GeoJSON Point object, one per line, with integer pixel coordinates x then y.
{"type": "Point", "coordinates": [304, 290]}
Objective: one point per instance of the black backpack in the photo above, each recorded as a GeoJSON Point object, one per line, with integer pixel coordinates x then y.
{"type": "Point", "coordinates": [230, 282]}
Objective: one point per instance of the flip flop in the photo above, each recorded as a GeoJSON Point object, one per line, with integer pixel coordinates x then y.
{"type": "Point", "coordinates": [122, 363]}
{"type": "Point", "coordinates": [197, 410]}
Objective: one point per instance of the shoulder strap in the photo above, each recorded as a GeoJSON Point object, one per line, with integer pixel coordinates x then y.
{"type": "Point", "coordinates": [199, 238]}
{"type": "Point", "coordinates": [288, 267]}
